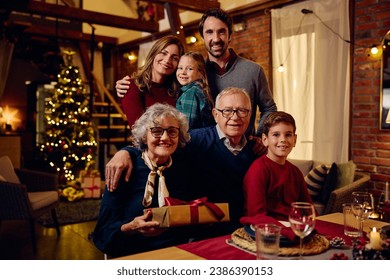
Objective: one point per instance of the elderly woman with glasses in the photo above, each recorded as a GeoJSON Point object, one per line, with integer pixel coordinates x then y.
{"type": "Point", "coordinates": [122, 227]}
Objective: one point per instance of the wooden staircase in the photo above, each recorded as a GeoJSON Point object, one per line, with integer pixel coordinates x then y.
{"type": "Point", "coordinates": [113, 131]}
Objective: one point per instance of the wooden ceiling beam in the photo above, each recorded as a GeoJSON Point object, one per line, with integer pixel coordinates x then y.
{"type": "Point", "coordinates": [191, 5]}
{"type": "Point", "coordinates": [70, 13]}
{"type": "Point", "coordinates": [175, 22]}
{"type": "Point", "coordinates": [66, 34]}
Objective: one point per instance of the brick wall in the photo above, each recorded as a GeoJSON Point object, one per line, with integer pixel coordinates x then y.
{"type": "Point", "coordinates": [370, 147]}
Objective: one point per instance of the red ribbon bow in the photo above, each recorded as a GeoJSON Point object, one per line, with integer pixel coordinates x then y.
{"type": "Point", "coordinates": [95, 187]}
{"type": "Point", "coordinates": [217, 212]}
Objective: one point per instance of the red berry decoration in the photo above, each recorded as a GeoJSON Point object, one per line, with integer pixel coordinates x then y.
{"type": "Point", "coordinates": [340, 256]}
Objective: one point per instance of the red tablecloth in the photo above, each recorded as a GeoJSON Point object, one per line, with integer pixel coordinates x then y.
{"type": "Point", "coordinates": [217, 249]}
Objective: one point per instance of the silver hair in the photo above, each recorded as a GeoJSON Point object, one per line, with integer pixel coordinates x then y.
{"type": "Point", "coordinates": [229, 91]}
{"type": "Point", "coordinates": [148, 119]}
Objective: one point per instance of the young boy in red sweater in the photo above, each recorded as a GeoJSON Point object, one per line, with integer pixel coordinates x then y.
{"type": "Point", "coordinates": [272, 183]}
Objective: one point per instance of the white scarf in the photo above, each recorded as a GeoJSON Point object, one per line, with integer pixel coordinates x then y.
{"type": "Point", "coordinates": [149, 189]}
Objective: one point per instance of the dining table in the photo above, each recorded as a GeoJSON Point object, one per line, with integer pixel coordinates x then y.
{"type": "Point", "coordinates": [222, 248]}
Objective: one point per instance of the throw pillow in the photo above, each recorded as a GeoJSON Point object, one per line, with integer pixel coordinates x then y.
{"type": "Point", "coordinates": [304, 165]}
{"type": "Point", "coordinates": [330, 183]}
{"type": "Point", "coordinates": [7, 170]}
{"type": "Point", "coordinates": [315, 180]}
{"type": "Point", "coordinates": [346, 173]}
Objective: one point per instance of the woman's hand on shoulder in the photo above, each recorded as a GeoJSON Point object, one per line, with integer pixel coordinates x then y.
{"type": "Point", "coordinates": [122, 86]}
{"type": "Point", "coordinates": [120, 162]}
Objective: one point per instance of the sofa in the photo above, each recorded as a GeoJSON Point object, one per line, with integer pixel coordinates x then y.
{"type": "Point", "coordinates": [339, 192]}
{"type": "Point", "coordinates": [26, 195]}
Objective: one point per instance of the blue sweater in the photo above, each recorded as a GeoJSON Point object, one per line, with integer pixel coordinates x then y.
{"type": "Point", "coordinates": [218, 173]}
{"type": "Point", "coordinates": [125, 203]}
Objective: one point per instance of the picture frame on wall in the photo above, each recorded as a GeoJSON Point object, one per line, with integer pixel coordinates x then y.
{"type": "Point", "coordinates": [384, 106]}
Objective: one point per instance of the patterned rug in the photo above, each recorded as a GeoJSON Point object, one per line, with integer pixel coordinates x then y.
{"type": "Point", "coordinates": [73, 212]}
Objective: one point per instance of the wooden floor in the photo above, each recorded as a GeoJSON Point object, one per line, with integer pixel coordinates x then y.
{"type": "Point", "coordinates": [73, 244]}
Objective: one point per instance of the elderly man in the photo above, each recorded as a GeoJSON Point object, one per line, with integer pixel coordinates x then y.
{"type": "Point", "coordinates": [219, 156]}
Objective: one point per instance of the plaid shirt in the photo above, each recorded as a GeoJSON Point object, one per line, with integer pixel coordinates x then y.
{"type": "Point", "coordinates": [192, 102]}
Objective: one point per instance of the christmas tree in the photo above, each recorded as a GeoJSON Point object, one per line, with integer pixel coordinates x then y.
{"type": "Point", "coordinates": [69, 141]}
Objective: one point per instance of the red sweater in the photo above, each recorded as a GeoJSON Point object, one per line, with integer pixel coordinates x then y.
{"type": "Point", "coordinates": [270, 188]}
{"type": "Point", "coordinates": [135, 102]}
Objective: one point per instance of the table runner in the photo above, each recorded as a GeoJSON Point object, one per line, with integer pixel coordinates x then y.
{"type": "Point", "coordinates": [217, 249]}
{"type": "Point", "coordinates": [331, 230]}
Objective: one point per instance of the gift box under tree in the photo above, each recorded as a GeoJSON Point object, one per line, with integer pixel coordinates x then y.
{"type": "Point", "coordinates": [91, 183]}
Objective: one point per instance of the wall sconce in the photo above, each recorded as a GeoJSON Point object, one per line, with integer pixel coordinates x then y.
{"type": "Point", "coordinates": [130, 56]}
{"type": "Point", "coordinates": [191, 40]}
{"type": "Point", "coordinates": [239, 27]}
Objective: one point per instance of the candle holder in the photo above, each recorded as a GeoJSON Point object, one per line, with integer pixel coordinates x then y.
{"type": "Point", "coordinates": [376, 248]}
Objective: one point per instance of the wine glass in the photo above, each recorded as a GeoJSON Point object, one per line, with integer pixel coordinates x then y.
{"type": "Point", "coordinates": [366, 200]}
{"type": "Point", "coordinates": [381, 204]}
{"type": "Point", "coordinates": [302, 219]}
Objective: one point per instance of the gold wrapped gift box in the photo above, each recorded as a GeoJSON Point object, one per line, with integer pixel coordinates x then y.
{"type": "Point", "coordinates": [195, 212]}
{"type": "Point", "coordinates": [91, 183]}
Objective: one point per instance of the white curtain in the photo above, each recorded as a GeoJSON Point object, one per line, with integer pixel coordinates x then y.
{"type": "Point", "coordinates": [315, 86]}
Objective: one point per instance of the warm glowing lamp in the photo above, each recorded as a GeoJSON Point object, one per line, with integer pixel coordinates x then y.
{"type": "Point", "coordinates": [10, 117]}
{"type": "Point", "coordinates": [132, 57]}
{"type": "Point", "coordinates": [191, 40]}
{"type": "Point", "coordinates": [374, 50]}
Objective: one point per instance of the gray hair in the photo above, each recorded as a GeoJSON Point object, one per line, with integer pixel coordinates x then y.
{"type": "Point", "coordinates": [148, 119]}
{"type": "Point", "coordinates": [231, 91]}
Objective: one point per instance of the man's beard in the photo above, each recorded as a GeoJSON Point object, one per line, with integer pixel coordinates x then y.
{"type": "Point", "coordinates": [218, 54]}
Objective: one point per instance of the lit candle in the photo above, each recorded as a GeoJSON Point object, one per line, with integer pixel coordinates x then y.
{"type": "Point", "coordinates": [375, 239]}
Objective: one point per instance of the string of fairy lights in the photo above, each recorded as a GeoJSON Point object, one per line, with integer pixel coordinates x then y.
{"type": "Point", "coordinates": [69, 142]}
{"type": "Point", "coordinates": [374, 50]}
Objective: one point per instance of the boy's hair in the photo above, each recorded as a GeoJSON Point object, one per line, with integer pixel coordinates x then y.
{"type": "Point", "coordinates": [278, 117]}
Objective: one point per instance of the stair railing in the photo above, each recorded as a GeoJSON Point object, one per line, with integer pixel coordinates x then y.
{"type": "Point", "coordinates": [110, 97]}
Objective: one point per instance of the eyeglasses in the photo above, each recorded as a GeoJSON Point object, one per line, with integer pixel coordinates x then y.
{"type": "Point", "coordinates": [228, 113]}
{"type": "Point", "coordinates": [158, 132]}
